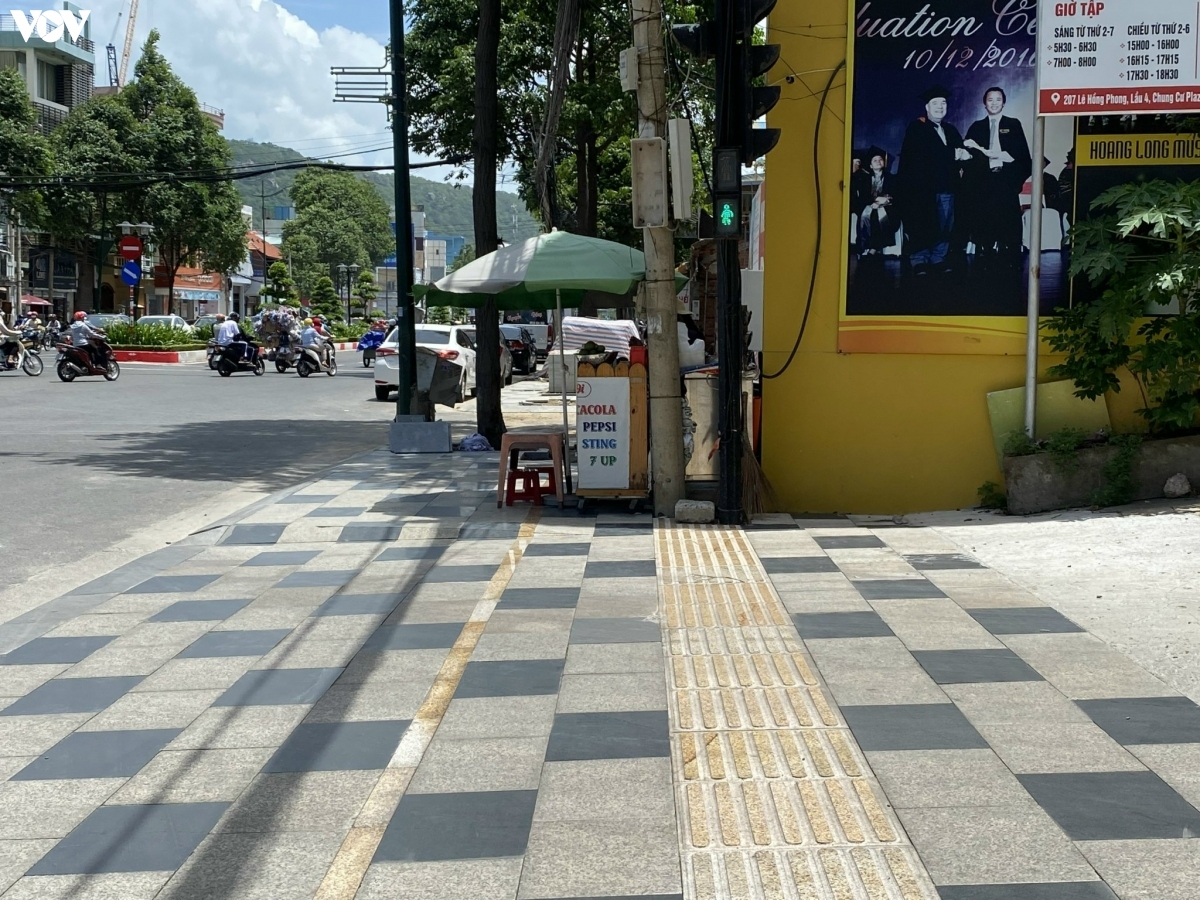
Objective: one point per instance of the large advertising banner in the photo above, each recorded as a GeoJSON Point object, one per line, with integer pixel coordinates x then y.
{"type": "Point", "coordinates": [941, 109]}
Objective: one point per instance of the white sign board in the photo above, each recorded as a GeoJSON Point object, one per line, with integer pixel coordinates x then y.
{"type": "Point", "coordinates": [1118, 57]}
{"type": "Point", "coordinates": [602, 426]}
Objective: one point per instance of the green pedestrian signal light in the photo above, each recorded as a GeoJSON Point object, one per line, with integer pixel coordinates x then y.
{"type": "Point", "coordinates": [728, 217]}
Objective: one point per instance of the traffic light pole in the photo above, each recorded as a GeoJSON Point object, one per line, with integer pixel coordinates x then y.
{"type": "Point", "coordinates": [662, 333]}
{"type": "Point", "coordinates": [405, 313]}
{"type": "Point", "coordinates": [730, 338]}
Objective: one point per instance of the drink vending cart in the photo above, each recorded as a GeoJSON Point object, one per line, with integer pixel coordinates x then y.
{"type": "Point", "coordinates": [612, 430]}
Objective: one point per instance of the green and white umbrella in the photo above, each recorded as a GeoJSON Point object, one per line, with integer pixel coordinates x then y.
{"type": "Point", "coordinates": [543, 272]}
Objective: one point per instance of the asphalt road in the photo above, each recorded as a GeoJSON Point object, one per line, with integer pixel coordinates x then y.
{"type": "Point", "coordinates": [87, 464]}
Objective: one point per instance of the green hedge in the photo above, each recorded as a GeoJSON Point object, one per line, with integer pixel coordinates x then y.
{"type": "Point", "coordinates": [148, 336]}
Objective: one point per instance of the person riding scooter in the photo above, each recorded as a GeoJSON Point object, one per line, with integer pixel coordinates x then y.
{"type": "Point", "coordinates": [9, 346]}
{"type": "Point", "coordinates": [314, 338]}
{"type": "Point", "coordinates": [84, 336]}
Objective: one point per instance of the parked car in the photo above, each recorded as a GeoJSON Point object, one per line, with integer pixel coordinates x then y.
{"type": "Point", "coordinates": [506, 357]}
{"type": "Point", "coordinates": [543, 333]}
{"type": "Point", "coordinates": [453, 342]}
{"type": "Point", "coordinates": [204, 322]}
{"type": "Point", "coordinates": [103, 320]}
{"type": "Point", "coordinates": [170, 321]}
{"type": "Point", "coordinates": [523, 346]}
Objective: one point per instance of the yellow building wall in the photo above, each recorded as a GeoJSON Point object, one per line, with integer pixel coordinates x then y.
{"type": "Point", "coordinates": [851, 433]}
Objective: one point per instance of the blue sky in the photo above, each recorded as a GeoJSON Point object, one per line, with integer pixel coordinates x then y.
{"type": "Point", "coordinates": [367, 16]}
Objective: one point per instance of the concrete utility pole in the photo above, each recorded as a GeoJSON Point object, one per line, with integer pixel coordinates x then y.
{"type": "Point", "coordinates": [666, 406]}
{"type": "Point", "coordinates": [405, 312]}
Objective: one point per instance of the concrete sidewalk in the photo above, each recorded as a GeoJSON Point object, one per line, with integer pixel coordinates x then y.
{"type": "Point", "coordinates": [379, 685]}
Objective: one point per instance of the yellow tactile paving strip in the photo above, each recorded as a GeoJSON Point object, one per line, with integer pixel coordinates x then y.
{"type": "Point", "coordinates": [775, 799]}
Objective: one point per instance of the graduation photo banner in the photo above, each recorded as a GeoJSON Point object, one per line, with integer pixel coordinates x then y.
{"type": "Point", "coordinates": [939, 178]}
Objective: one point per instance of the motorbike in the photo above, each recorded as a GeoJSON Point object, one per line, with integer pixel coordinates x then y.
{"type": "Point", "coordinates": [369, 345]}
{"type": "Point", "coordinates": [233, 359]}
{"type": "Point", "coordinates": [76, 362]}
{"type": "Point", "coordinates": [310, 362]}
{"type": "Point", "coordinates": [214, 355]}
{"type": "Point", "coordinates": [26, 359]}
{"type": "Point", "coordinates": [286, 355]}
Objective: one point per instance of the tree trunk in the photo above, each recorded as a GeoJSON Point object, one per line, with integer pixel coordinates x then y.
{"type": "Point", "coordinates": [489, 418]}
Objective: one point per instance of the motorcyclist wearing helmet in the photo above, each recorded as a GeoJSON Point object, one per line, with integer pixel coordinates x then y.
{"type": "Point", "coordinates": [249, 347]}
{"type": "Point", "coordinates": [9, 348]}
{"type": "Point", "coordinates": [84, 335]}
{"type": "Point", "coordinates": [315, 338]}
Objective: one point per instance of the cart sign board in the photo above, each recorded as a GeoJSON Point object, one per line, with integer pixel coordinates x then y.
{"type": "Point", "coordinates": [602, 425]}
{"type": "Point", "coordinates": [1118, 57]}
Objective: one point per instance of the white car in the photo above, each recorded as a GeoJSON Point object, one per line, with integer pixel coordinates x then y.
{"type": "Point", "coordinates": [169, 321]}
{"type": "Point", "coordinates": [453, 342]}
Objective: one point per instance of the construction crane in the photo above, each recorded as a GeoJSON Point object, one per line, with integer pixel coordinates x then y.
{"type": "Point", "coordinates": [117, 71]}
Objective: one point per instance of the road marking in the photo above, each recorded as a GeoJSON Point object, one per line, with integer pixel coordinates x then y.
{"type": "Point", "coordinates": [349, 867]}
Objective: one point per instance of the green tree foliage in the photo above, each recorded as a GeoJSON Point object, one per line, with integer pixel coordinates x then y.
{"type": "Point", "coordinates": [279, 287]}
{"type": "Point", "coordinates": [339, 219]}
{"type": "Point", "coordinates": [1141, 257]}
{"type": "Point", "coordinates": [365, 291]}
{"type": "Point", "coordinates": [194, 222]}
{"type": "Point", "coordinates": [325, 300]}
{"type": "Point", "coordinates": [22, 150]}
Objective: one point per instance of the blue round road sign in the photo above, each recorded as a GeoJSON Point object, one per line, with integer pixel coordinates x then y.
{"type": "Point", "coordinates": [131, 273]}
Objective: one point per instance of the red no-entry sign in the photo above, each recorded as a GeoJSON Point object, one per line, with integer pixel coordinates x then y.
{"type": "Point", "coordinates": [130, 247]}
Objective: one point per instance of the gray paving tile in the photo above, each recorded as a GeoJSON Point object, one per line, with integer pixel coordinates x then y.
{"type": "Point", "coordinates": [370, 534]}
{"type": "Point", "coordinates": [488, 764]}
{"type": "Point", "coordinates": [193, 776]}
{"type": "Point", "coordinates": [510, 678]}
{"type": "Point", "coordinates": [200, 610]}
{"type": "Point", "coordinates": [922, 726]}
{"type": "Point", "coordinates": [564, 548]}
{"type": "Point", "coordinates": [443, 574]}
{"type": "Point", "coordinates": [914, 778]}
{"type": "Point", "coordinates": [993, 845]}
{"type": "Point", "coordinates": [615, 631]}
{"type": "Point", "coordinates": [461, 879]}
{"type": "Point", "coordinates": [283, 802]}
{"type": "Point", "coordinates": [98, 754]}
{"type": "Point", "coordinates": [1147, 870]}
{"type": "Point", "coordinates": [539, 598]}
{"type": "Point", "coordinates": [931, 562]}
{"type": "Point", "coordinates": [614, 659]}
{"type": "Point", "coordinates": [337, 512]}
{"type": "Point", "coordinates": [472, 532]}
{"type": "Point", "coordinates": [233, 643]}
{"type": "Point", "coordinates": [849, 542]}
{"type": "Point", "coordinates": [337, 746]}
{"type": "Point", "coordinates": [359, 604]}
{"type": "Point", "coordinates": [260, 687]}
{"type": "Point", "coordinates": [974, 666]}
{"type": "Point", "coordinates": [814, 626]}
{"type": "Point", "coordinates": [72, 695]}
{"type": "Point", "coordinates": [283, 558]}
{"type": "Point", "coordinates": [605, 790]}
{"type": "Point", "coordinates": [1028, 620]}
{"type": "Point", "coordinates": [432, 636]}
{"type": "Point", "coordinates": [497, 717]}
{"type": "Point", "coordinates": [395, 554]}
{"type": "Point", "coordinates": [307, 498]}
{"type": "Point", "coordinates": [1061, 890]}
{"type": "Point", "coordinates": [52, 650]}
{"type": "Point", "coordinates": [254, 534]}
{"type": "Point", "coordinates": [136, 838]}
{"type": "Point", "coordinates": [156, 709]}
{"type": "Point", "coordinates": [1146, 720]}
{"type": "Point", "coordinates": [496, 646]}
{"type": "Point", "coordinates": [798, 565]}
{"type": "Point", "coordinates": [608, 735]}
{"type": "Point", "coordinates": [897, 589]}
{"type": "Point", "coordinates": [172, 584]}
{"type": "Point", "coordinates": [633, 568]}
{"type": "Point", "coordinates": [255, 866]}
{"type": "Point", "coordinates": [614, 858]}
{"type": "Point", "coordinates": [458, 826]}
{"type": "Point", "coordinates": [612, 692]}
{"type": "Point", "coordinates": [1112, 806]}
{"type": "Point", "coordinates": [318, 578]}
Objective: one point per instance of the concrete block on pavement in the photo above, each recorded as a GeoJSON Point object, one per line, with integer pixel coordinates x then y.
{"type": "Point", "coordinates": [695, 512]}
{"type": "Point", "coordinates": [414, 435]}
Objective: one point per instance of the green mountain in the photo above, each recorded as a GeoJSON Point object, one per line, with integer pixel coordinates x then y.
{"type": "Point", "coordinates": [447, 206]}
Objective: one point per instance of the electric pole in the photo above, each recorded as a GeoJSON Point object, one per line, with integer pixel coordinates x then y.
{"type": "Point", "coordinates": [662, 340]}
{"type": "Point", "coordinates": [729, 40]}
{"type": "Point", "coordinates": [406, 322]}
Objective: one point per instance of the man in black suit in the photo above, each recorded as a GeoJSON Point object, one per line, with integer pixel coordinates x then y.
{"type": "Point", "coordinates": [929, 177]}
{"type": "Point", "coordinates": [1000, 166]}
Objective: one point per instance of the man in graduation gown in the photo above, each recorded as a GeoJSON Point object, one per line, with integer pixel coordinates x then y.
{"type": "Point", "coordinates": [930, 174]}
{"type": "Point", "coordinates": [1000, 166]}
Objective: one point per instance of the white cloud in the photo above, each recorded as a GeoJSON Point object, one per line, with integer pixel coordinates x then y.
{"type": "Point", "coordinates": [266, 68]}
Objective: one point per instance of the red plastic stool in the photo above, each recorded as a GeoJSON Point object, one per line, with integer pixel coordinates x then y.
{"type": "Point", "coordinates": [531, 485]}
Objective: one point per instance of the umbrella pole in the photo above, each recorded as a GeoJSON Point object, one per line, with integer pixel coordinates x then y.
{"type": "Point", "coordinates": [562, 355]}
